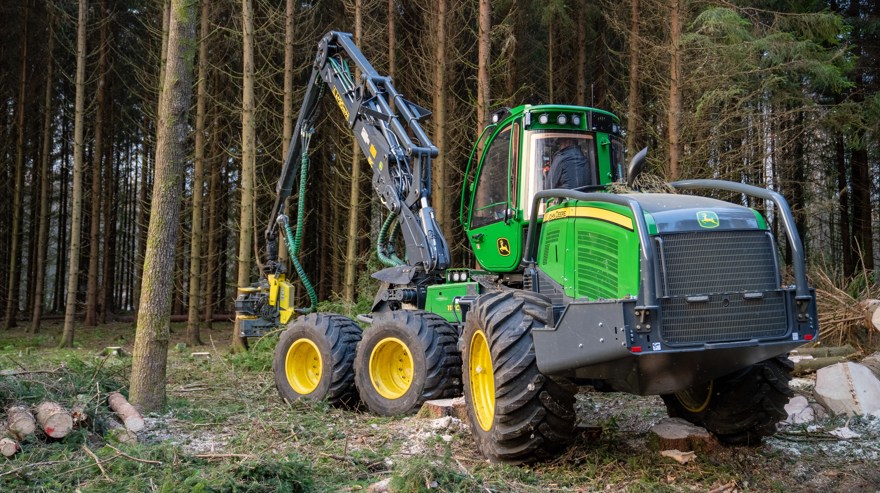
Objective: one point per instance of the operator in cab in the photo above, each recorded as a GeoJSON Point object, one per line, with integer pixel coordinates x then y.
{"type": "Point", "coordinates": [569, 167]}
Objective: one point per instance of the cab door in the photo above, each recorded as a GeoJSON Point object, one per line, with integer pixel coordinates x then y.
{"type": "Point", "coordinates": [494, 228]}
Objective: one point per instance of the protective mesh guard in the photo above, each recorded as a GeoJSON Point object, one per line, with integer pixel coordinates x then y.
{"type": "Point", "coordinates": [721, 265]}
{"type": "Point", "coordinates": [718, 262]}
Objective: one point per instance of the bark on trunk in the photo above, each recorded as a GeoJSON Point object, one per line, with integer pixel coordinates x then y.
{"type": "Point", "coordinates": [354, 211]}
{"type": "Point", "coordinates": [76, 205]}
{"type": "Point", "coordinates": [45, 184]}
{"type": "Point", "coordinates": [151, 339]}
{"type": "Point", "coordinates": [245, 238]}
{"type": "Point", "coordinates": [483, 54]}
{"type": "Point", "coordinates": [15, 247]}
{"type": "Point", "coordinates": [439, 189]}
{"type": "Point", "coordinates": [91, 318]}
{"type": "Point", "coordinates": [675, 83]}
{"type": "Point", "coordinates": [195, 252]}
{"type": "Point", "coordinates": [632, 100]}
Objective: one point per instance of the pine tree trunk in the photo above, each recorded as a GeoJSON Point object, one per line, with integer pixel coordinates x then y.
{"type": "Point", "coordinates": [354, 209]}
{"type": "Point", "coordinates": [45, 190]}
{"type": "Point", "coordinates": [581, 74]}
{"type": "Point", "coordinates": [392, 38]}
{"type": "Point", "coordinates": [675, 89]}
{"type": "Point", "coordinates": [150, 352]}
{"type": "Point", "coordinates": [248, 160]}
{"type": "Point", "coordinates": [195, 252]}
{"type": "Point", "coordinates": [77, 191]}
{"type": "Point", "coordinates": [439, 179]}
{"type": "Point", "coordinates": [632, 99]}
{"type": "Point", "coordinates": [61, 232]}
{"type": "Point", "coordinates": [843, 208]}
{"type": "Point", "coordinates": [483, 54]}
{"type": "Point", "coordinates": [213, 269]}
{"type": "Point", "coordinates": [15, 247]}
{"type": "Point", "coordinates": [95, 192]}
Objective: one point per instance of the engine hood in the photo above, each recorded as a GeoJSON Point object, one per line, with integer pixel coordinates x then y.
{"type": "Point", "coordinates": [676, 213]}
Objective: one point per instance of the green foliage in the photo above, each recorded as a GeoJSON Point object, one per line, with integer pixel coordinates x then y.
{"type": "Point", "coordinates": [430, 475]}
{"type": "Point", "coordinates": [259, 357]}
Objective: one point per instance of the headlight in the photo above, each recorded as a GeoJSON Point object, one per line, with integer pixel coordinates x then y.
{"type": "Point", "coordinates": [561, 119]}
{"type": "Point", "coordinates": [543, 119]}
{"type": "Point", "coordinates": [576, 120]}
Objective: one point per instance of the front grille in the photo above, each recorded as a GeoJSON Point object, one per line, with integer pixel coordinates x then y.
{"type": "Point", "coordinates": [720, 265]}
{"type": "Point", "coordinates": [717, 262]}
{"type": "Point", "coordinates": [724, 318]}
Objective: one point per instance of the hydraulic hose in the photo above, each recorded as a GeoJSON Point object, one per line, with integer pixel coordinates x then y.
{"type": "Point", "coordinates": [385, 240]}
{"type": "Point", "coordinates": [294, 241]}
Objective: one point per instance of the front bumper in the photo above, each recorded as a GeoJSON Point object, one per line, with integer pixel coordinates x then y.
{"type": "Point", "coordinates": [628, 348]}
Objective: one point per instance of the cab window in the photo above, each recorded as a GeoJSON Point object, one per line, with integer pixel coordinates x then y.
{"type": "Point", "coordinates": [490, 198]}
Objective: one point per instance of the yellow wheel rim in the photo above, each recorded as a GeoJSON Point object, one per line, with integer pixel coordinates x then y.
{"type": "Point", "coordinates": [303, 366]}
{"type": "Point", "coordinates": [695, 399]}
{"type": "Point", "coordinates": [482, 379]}
{"type": "Point", "coordinates": [391, 368]}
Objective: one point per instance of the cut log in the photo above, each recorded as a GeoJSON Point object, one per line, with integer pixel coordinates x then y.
{"type": "Point", "coordinates": [127, 413]}
{"type": "Point", "coordinates": [54, 419]}
{"type": "Point", "coordinates": [848, 388]}
{"type": "Point", "coordinates": [825, 352]}
{"type": "Point", "coordinates": [20, 422]}
{"type": "Point", "coordinates": [678, 434]}
{"type": "Point", "coordinates": [807, 366]}
{"type": "Point", "coordinates": [873, 363]}
{"type": "Point", "coordinates": [872, 313]}
{"type": "Point", "coordinates": [8, 447]}
{"type": "Point", "coordinates": [117, 433]}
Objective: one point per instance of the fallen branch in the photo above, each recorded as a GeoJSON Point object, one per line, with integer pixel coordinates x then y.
{"type": "Point", "coordinates": [806, 366]}
{"type": "Point", "coordinates": [223, 456]}
{"type": "Point", "coordinates": [143, 461]}
{"type": "Point", "coordinates": [35, 464]}
{"type": "Point", "coordinates": [97, 462]}
{"type": "Point", "coordinates": [16, 373]}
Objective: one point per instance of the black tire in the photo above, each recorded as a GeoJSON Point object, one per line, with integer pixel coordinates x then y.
{"type": "Point", "coordinates": [331, 337]}
{"type": "Point", "coordinates": [741, 408]}
{"type": "Point", "coordinates": [434, 371]}
{"type": "Point", "coordinates": [532, 416]}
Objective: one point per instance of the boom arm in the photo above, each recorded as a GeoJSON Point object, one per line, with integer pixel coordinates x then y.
{"type": "Point", "coordinates": [397, 148]}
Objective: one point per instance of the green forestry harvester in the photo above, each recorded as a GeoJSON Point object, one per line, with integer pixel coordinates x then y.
{"type": "Point", "coordinates": [671, 294]}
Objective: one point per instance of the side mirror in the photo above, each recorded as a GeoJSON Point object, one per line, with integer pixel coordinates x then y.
{"type": "Point", "coordinates": [635, 167]}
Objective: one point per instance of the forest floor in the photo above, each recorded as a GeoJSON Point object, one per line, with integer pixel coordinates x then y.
{"type": "Point", "coordinates": [225, 429]}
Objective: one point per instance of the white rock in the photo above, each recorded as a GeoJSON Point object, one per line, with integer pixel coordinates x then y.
{"type": "Point", "coordinates": [848, 388]}
{"type": "Point", "coordinates": [380, 487]}
{"type": "Point", "coordinates": [797, 404]}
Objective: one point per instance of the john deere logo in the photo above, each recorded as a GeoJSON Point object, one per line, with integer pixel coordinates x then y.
{"type": "Point", "coordinates": [503, 247]}
{"type": "Point", "coordinates": [708, 219]}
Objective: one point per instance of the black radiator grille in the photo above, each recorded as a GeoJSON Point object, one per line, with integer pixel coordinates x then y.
{"type": "Point", "coordinates": [718, 262]}
{"type": "Point", "coordinates": [720, 266]}
{"type": "Point", "coordinates": [723, 318]}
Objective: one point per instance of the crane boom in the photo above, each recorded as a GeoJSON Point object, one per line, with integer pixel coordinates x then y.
{"type": "Point", "coordinates": [387, 130]}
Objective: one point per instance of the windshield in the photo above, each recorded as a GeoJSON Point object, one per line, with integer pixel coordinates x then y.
{"type": "Point", "coordinates": [556, 159]}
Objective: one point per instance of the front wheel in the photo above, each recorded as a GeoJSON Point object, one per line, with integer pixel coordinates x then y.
{"type": "Point", "coordinates": [741, 408]}
{"type": "Point", "coordinates": [516, 413]}
{"type": "Point", "coordinates": [314, 359]}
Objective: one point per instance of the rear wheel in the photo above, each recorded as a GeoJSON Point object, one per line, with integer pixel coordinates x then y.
{"type": "Point", "coordinates": [740, 408]}
{"type": "Point", "coordinates": [516, 413]}
{"type": "Point", "coordinates": [314, 359]}
{"type": "Point", "coordinates": [406, 358]}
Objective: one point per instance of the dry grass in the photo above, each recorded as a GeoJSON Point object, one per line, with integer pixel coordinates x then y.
{"type": "Point", "coordinates": [841, 312]}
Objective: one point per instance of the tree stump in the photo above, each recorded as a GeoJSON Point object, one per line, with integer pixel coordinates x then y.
{"type": "Point", "coordinates": [20, 422]}
{"type": "Point", "coordinates": [54, 419]}
{"type": "Point", "coordinates": [678, 434]}
{"type": "Point", "coordinates": [127, 413]}
{"type": "Point", "coordinates": [439, 408]}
